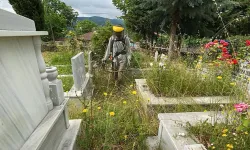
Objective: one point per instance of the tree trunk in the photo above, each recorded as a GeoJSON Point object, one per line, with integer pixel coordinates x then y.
{"type": "Point", "coordinates": [173, 51]}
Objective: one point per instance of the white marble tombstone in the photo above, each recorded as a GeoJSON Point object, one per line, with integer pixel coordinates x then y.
{"type": "Point", "coordinates": [78, 69]}
{"type": "Point", "coordinates": [28, 119]}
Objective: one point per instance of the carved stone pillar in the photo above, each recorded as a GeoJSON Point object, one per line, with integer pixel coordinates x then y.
{"type": "Point", "coordinates": [42, 68]}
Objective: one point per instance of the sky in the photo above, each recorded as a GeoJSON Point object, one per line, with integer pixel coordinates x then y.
{"type": "Point", "coordinates": [85, 8]}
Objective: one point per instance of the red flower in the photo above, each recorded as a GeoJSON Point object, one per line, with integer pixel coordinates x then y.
{"type": "Point", "coordinates": [224, 50]}
{"type": "Point", "coordinates": [225, 44]}
{"type": "Point", "coordinates": [247, 42]}
{"type": "Point", "coordinates": [215, 41]}
{"type": "Point", "coordinates": [233, 61]}
{"type": "Point", "coordinates": [226, 56]}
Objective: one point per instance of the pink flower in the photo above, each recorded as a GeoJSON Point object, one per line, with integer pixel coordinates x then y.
{"type": "Point", "coordinates": [241, 107]}
{"type": "Point", "coordinates": [222, 41]}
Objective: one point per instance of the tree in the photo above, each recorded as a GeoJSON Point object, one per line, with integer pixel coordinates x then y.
{"type": "Point", "coordinates": [32, 9]}
{"type": "Point", "coordinates": [100, 39]}
{"type": "Point", "coordinates": [84, 26]}
{"type": "Point", "coordinates": [58, 17]}
{"type": "Point", "coordinates": [61, 8]}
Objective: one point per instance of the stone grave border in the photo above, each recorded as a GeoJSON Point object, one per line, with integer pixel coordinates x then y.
{"type": "Point", "coordinates": [150, 100]}
{"type": "Point", "coordinates": [172, 134]}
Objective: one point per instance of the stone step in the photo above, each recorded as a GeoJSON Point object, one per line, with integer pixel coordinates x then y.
{"type": "Point", "coordinates": [69, 138]}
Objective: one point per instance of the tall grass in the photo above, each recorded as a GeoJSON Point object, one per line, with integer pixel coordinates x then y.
{"type": "Point", "coordinates": [129, 126]}
{"type": "Point", "coordinates": [176, 80]}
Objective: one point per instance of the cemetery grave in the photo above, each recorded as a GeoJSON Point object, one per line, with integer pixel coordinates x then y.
{"type": "Point", "coordinates": [161, 104]}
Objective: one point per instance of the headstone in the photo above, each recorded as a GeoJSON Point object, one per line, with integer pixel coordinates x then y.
{"type": "Point", "coordinates": [78, 69]}
{"type": "Point", "coordinates": [156, 55]}
{"type": "Point", "coordinates": [83, 84]}
{"type": "Point", "coordinates": [28, 118]}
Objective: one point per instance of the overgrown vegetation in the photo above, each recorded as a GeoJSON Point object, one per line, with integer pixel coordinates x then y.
{"type": "Point", "coordinates": [233, 133]}
{"type": "Point", "coordinates": [176, 80]}
{"type": "Point", "coordinates": [114, 119]}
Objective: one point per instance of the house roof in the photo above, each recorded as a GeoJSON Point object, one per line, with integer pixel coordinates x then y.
{"type": "Point", "coordinates": [87, 36]}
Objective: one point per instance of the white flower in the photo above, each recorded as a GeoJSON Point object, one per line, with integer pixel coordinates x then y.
{"type": "Point", "coordinates": [151, 64]}
{"type": "Point", "coordinates": [181, 134]}
{"type": "Point", "coordinates": [221, 105]}
{"type": "Point", "coordinates": [161, 64]}
{"type": "Point", "coordinates": [234, 134]}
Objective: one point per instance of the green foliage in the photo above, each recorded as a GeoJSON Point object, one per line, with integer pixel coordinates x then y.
{"type": "Point", "coordinates": [59, 58]}
{"type": "Point", "coordinates": [84, 26]}
{"type": "Point", "coordinates": [68, 82]}
{"type": "Point", "coordinates": [32, 9]}
{"type": "Point", "coordinates": [100, 40]}
{"type": "Point", "coordinates": [222, 135]}
{"type": "Point", "coordinates": [176, 80]}
{"type": "Point", "coordinates": [140, 60]}
{"type": "Point", "coordinates": [58, 16]}
{"type": "Point", "coordinates": [64, 70]}
{"type": "Point", "coordinates": [191, 41]}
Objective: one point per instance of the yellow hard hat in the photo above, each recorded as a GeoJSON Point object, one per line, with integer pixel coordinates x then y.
{"type": "Point", "coordinates": [118, 28]}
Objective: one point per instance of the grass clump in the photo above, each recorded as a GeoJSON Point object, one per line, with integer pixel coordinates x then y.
{"type": "Point", "coordinates": [68, 82]}
{"type": "Point", "coordinates": [64, 70]}
{"type": "Point", "coordinates": [174, 79]}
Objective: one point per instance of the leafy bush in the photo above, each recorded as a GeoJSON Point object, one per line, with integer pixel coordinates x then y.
{"type": "Point", "coordinates": [100, 40]}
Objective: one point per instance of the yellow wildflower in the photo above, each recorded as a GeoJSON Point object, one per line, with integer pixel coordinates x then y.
{"type": "Point", "coordinates": [134, 92]}
{"type": "Point", "coordinates": [99, 108]}
{"type": "Point", "coordinates": [85, 110]}
{"type": "Point", "coordinates": [131, 85]}
{"type": "Point", "coordinates": [125, 137]}
{"type": "Point", "coordinates": [105, 94]}
{"type": "Point", "coordinates": [230, 146]}
{"type": "Point", "coordinates": [200, 57]}
{"type": "Point", "coordinates": [224, 131]}
{"type": "Point", "coordinates": [125, 102]}
{"type": "Point", "coordinates": [112, 113]}
{"type": "Point", "coordinates": [219, 77]}
{"type": "Point", "coordinates": [137, 100]}
{"type": "Point", "coordinates": [246, 132]}
{"type": "Point", "coordinates": [233, 83]}
{"type": "Point", "coordinates": [248, 79]}
{"type": "Point", "coordinates": [229, 149]}
{"type": "Point", "coordinates": [224, 135]}
{"type": "Point", "coordinates": [210, 64]}
{"type": "Point", "coordinates": [213, 147]}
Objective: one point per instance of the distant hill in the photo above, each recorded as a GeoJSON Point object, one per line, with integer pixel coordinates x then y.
{"type": "Point", "coordinates": [100, 20]}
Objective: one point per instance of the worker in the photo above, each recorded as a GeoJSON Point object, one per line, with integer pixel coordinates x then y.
{"type": "Point", "coordinates": [119, 51]}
